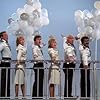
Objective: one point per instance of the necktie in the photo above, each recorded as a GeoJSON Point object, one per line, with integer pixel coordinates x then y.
{"type": "Point", "coordinates": [8, 45]}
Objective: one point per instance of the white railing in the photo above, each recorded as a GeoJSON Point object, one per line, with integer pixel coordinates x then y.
{"type": "Point", "coordinates": [59, 92]}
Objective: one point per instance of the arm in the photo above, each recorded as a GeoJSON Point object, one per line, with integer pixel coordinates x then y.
{"type": "Point", "coordinates": [64, 41]}
{"type": "Point", "coordinates": [19, 56]}
{"type": "Point", "coordinates": [1, 46]}
{"type": "Point", "coordinates": [34, 51]}
{"type": "Point", "coordinates": [52, 55]}
{"type": "Point", "coordinates": [69, 53]}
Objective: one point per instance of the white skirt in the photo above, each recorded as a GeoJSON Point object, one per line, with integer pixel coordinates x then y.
{"type": "Point", "coordinates": [20, 75]}
{"type": "Point", "coordinates": [54, 75]}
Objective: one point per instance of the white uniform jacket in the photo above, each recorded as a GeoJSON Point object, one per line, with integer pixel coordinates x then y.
{"type": "Point", "coordinates": [5, 49]}
{"type": "Point", "coordinates": [85, 54]}
{"type": "Point", "coordinates": [37, 52]}
{"type": "Point", "coordinates": [69, 51]}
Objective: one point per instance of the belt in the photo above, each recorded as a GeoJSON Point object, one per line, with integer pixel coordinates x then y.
{"type": "Point", "coordinates": [6, 58]}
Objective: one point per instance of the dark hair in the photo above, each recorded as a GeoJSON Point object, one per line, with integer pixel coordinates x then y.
{"type": "Point", "coordinates": [37, 36]}
{"type": "Point", "coordinates": [1, 33]}
{"type": "Point", "coordinates": [83, 38]}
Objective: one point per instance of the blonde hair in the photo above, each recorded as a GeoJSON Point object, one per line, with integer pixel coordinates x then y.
{"type": "Point", "coordinates": [50, 42]}
{"type": "Point", "coordinates": [18, 40]}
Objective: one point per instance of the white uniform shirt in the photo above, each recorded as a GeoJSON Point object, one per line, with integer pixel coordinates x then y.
{"type": "Point", "coordinates": [69, 51]}
{"type": "Point", "coordinates": [37, 53]}
{"type": "Point", "coordinates": [85, 55]}
{"type": "Point", "coordinates": [21, 52]}
{"type": "Point", "coordinates": [54, 54]}
{"type": "Point", "coordinates": [5, 49]}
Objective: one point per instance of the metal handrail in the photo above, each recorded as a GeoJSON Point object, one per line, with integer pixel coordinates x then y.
{"type": "Point", "coordinates": [47, 68]}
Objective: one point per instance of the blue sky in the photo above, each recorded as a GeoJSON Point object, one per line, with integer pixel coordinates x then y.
{"type": "Point", "coordinates": [61, 16]}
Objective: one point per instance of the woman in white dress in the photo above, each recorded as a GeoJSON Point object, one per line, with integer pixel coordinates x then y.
{"type": "Point", "coordinates": [54, 74]}
{"type": "Point", "coordinates": [20, 73]}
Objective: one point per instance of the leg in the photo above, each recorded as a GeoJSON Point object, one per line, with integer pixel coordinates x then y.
{"type": "Point", "coordinates": [41, 75]}
{"type": "Point", "coordinates": [23, 89]}
{"type": "Point", "coordinates": [82, 81]}
{"type": "Point", "coordinates": [34, 94]}
{"type": "Point", "coordinates": [65, 72]}
{"type": "Point", "coordinates": [88, 83]}
{"type": "Point", "coordinates": [70, 78]}
{"type": "Point", "coordinates": [3, 82]}
{"type": "Point", "coordinates": [16, 90]}
{"type": "Point", "coordinates": [8, 84]}
{"type": "Point", "coordinates": [51, 88]}
{"type": "Point", "coordinates": [65, 88]}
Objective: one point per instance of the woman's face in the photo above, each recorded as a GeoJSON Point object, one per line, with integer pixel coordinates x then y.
{"type": "Point", "coordinates": [53, 44]}
{"type": "Point", "coordinates": [22, 41]}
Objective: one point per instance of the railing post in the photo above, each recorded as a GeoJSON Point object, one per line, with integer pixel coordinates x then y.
{"type": "Point", "coordinates": [95, 81]}
{"type": "Point", "coordinates": [37, 82]}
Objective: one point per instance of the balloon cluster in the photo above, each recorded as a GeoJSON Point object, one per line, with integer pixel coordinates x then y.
{"type": "Point", "coordinates": [28, 20]}
{"type": "Point", "coordinates": [88, 22]}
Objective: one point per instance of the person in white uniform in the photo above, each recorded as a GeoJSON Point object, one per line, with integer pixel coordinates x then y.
{"type": "Point", "coordinates": [54, 74]}
{"type": "Point", "coordinates": [70, 58]}
{"type": "Point", "coordinates": [38, 67]}
{"type": "Point", "coordinates": [85, 55]}
{"type": "Point", "coordinates": [6, 55]}
{"type": "Point", "coordinates": [20, 72]}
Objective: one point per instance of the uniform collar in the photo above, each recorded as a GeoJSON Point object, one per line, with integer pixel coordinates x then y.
{"type": "Point", "coordinates": [84, 47]}
{"type": "Point", "coordinates": [69, 44]}
{"type": "Point", "coordinates": [2, 40]}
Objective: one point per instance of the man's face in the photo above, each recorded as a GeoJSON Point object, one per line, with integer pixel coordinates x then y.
{"type": "Point", "coordinates": [86, 42]}
{"type": "Point", "coordinates": [5, 36]}
{"type": "Point", "coordinates": [70, 40]}
{"type": "Point", "coordinates": [38, 41]}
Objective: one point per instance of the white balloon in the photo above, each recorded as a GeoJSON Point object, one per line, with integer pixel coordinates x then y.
{"type": "Point", "coordinates": [29, 2]}
{"type": "Point", "coordinates": [98, 34]}
{"type": "Point", "coordinates": [10, 20]}
{"type": "Point", "coordinates": [31, 20]}
{"type": "Point", "coordinates": [14, 26]}
{"type": "Point", "coordinates": [14, 17]}
{"type": "Point", "coordinates": [29, 30]}
{"type": "Point", "coordinates": [36, 14]}
{"type": "Point", "coordinates": [88, 14]}
{"type": "Point", "coordinates": [10, 30]}
{"type": "Point", "coordinates": [24, 16]}
{"type": "Point", "coordinates": [79, 19]}
{"type": "Point", "coordinates": [20, 11]}
{"type": "Point", "coordinates": [23, 24]}
{"type": "Point", "coordinates": [35, 1]}
{"type": "Point", "coordinates": [97, 5]}
{"type": "Point", "coordinates": [44, 12]}
{"type": "Point", "coordinates": [44, 21]}
{"type": "Point", "coordinates": [79, 13]}
{"type": "Point", "coordinates": [88, 30]}
{"type": "Point", "coordinates": [80, 23]}
{"type": "Point", "coordinates": [37, 5]}
{"type": "Point", "coordinates": [29, 9]}
{"type": "Point", "coordinates": [97, 12]}
{"type": "Point", "coordinates": [19, 32]}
